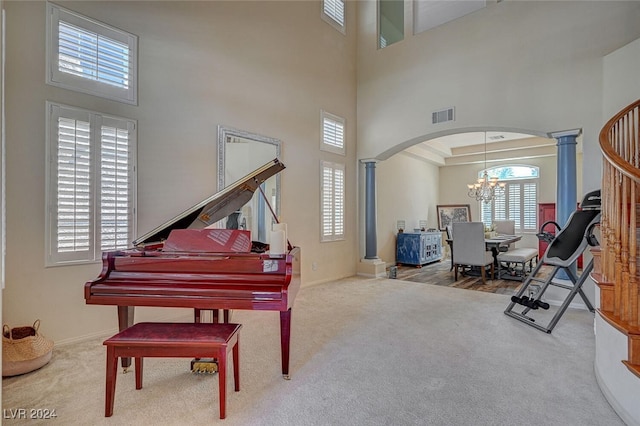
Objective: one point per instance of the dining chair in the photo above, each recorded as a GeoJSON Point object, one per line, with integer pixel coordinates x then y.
{"type": "Point", "coordinates": [505, 227]}
{"type": "Point", "coordinates": [469, 249]}
{"type": "Point", "coordinates": [449, 231]}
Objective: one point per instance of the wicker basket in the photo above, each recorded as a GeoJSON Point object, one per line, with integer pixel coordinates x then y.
{"type": "Point", "coordinates": [24, 349]}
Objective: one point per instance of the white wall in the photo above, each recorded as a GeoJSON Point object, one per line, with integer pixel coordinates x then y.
{"type": "Point", "coordinates": [527, 65]}
{"type": "Point", "coordinates": [263, 67]}
{"type": "Point", "coordinates": [621, 84]}
{"type": "Point", "coordinates": [406, 190]}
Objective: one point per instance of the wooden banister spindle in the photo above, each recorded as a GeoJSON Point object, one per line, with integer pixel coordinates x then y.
{"type": "Point", "coordinates": [633, 278]}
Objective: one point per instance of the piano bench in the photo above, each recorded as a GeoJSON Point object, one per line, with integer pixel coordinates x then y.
{"type": "Point", "coordinates": [173, 340]}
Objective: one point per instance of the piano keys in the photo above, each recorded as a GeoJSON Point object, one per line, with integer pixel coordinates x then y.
{"type": "Point", "coordinates": [162, 271]}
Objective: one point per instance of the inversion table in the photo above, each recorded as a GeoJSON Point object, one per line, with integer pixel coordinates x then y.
{"type": "Point", "coordinates": [563, 250]}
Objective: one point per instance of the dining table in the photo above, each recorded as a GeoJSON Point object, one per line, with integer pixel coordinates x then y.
{"type": "Point", "coordinates": [493, 243]}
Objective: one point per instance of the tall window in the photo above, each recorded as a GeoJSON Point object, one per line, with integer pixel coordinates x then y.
{"type": "Point", "coordinates": [90, 184]}
{"type": "Point", "coordinates": [333, 131]}
{"type": "Point", "coordinates": [519, 202]}
{"type": "Point", "coordinates": [334, 14]}
{"type": "Point", "coordinates": [89, 56]}
{"type": "Point", "coordinates": [332, 201]}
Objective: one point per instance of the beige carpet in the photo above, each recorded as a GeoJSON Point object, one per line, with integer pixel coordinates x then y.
{"type": "Point", "coordinates": [364, 352]}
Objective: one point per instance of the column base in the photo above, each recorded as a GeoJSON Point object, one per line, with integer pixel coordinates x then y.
{"type": "Point", "coordinates": [375, 268]}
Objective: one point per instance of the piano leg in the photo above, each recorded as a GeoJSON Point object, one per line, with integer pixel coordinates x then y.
{"type": "Point", "coordinates": [285, 335]}
{"type": "Point", "coordinates": [225, 316]}
{"type": "Point", "coordinates": [125, 320]}
{"type": "Point", "coordinates": [215, 313]}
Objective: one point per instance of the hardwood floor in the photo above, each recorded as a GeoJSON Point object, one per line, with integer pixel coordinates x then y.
{"type": "Point", "coordinates": [438, 273]}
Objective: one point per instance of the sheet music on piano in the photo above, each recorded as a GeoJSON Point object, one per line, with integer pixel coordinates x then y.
{"type": "Point", "coordinates": [171, 266]}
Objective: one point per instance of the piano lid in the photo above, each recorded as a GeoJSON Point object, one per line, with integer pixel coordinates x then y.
{"type": "Point", "coordinates": [216, 207]}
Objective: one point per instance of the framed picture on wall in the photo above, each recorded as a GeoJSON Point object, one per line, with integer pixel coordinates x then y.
{"type": "Point", "coordinates": [449, 213]}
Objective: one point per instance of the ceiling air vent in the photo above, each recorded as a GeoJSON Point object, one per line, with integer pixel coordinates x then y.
{"type": "Point", "coordinates": [442, 116]}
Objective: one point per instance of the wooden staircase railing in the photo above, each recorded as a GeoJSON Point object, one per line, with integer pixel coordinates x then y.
{"type": "Point", "coordinates": [616, 260]}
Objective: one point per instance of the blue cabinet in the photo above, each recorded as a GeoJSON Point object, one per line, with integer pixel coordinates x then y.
{"type": "Point", "coordinates": [418, 248]}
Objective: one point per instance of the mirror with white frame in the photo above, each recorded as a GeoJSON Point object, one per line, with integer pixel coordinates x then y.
{"type": "Point", "coordinates": [240, 153]}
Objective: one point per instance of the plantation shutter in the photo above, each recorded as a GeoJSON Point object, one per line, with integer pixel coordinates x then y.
{"type": "Point", "coordinates": [335, 10]}
{"type": "Point", "coordinates": [333, 201]}
{"type": "Point", "coordinates": [332, 133]}
{"type": "Point", "coordinates": [500, 209]}
{"type": "Point", "coordinates": [485, 212]}
{"type": "Point", "coordinates": [116, 212]}
{"type": "Point", "coordinates": [90, 186]}
{"type": "Point", "coordinates": [72, 205]}
{"type": "Point", "coordinates": [519, 201]}
{"type": "Point", "coordinates": [327, 202]}
{"type": "Point", "coordinates": [514, 191]}
{"type": "Point", "coordinates": [89, 55]}
{"type": "Point", "coordinates": [494, 210]}
{"type": "Point", "coordinates": [530, 200]}
{"type": "Point", "coordinates": [338, 200]}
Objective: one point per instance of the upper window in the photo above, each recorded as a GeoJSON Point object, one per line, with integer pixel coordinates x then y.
{"type": "Point", "coordinates": [90, 184]}
{"type": "Point", "coordinates": [390, 22]}
{"type": "Point", "coordinates": [430, 14]}
{"type": "Point", "coordinates": [333, 13]}
{"type": "Point", "coordinates": [332, 201]}
{"type": "Point", "coordinates": [518, 202]}
{"type": "Point", "coordinates": [90, 57]}
{"type": "Point", "coordinates": [512, 172]}
{"type": "Point", "coordinates": [333, 131]}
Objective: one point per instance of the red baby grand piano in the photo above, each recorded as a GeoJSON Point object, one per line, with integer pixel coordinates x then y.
{"type": "Point", "coordinates": [154, 274]}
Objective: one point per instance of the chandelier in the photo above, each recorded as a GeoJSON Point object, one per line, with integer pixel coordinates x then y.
{"type": "Point", "coordinates": [487, 188]}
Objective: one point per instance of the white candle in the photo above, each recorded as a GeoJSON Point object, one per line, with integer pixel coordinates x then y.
{"type": "Point", "coordinates": [278, 242]}
{"type": "Point", "coordinates": [280, 227]}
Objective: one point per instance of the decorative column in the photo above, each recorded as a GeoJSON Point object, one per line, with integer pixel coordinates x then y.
{"type": "Point", "coordinates": [566, 185]}
{"type": "Point", "coordinates": [370, 265]}
{"type": "Point", "coordinates": [371, 236]}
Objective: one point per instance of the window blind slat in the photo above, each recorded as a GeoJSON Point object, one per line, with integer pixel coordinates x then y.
{"type": "Point", "coordinates": [114, 188]}
{"type": "Point", "coordinates": [91, 56]}
{"type": "Point", "coordinates": [73, 206]}
{"type": "Point", "coordinates": [334, 9]}
{"type": "Point", "coordinates": [333, 201]}
{"type": "Point", "coordinates": [530, 201]}
{"type": "Point", "coordinates": [333, 133]}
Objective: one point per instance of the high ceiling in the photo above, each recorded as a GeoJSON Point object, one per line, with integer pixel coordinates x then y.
{"type": "Point", "coordinates": [469, 148]}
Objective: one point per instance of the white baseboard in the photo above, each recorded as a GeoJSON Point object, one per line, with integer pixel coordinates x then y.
{"type": "Point", "coordinates": [608, 395]}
